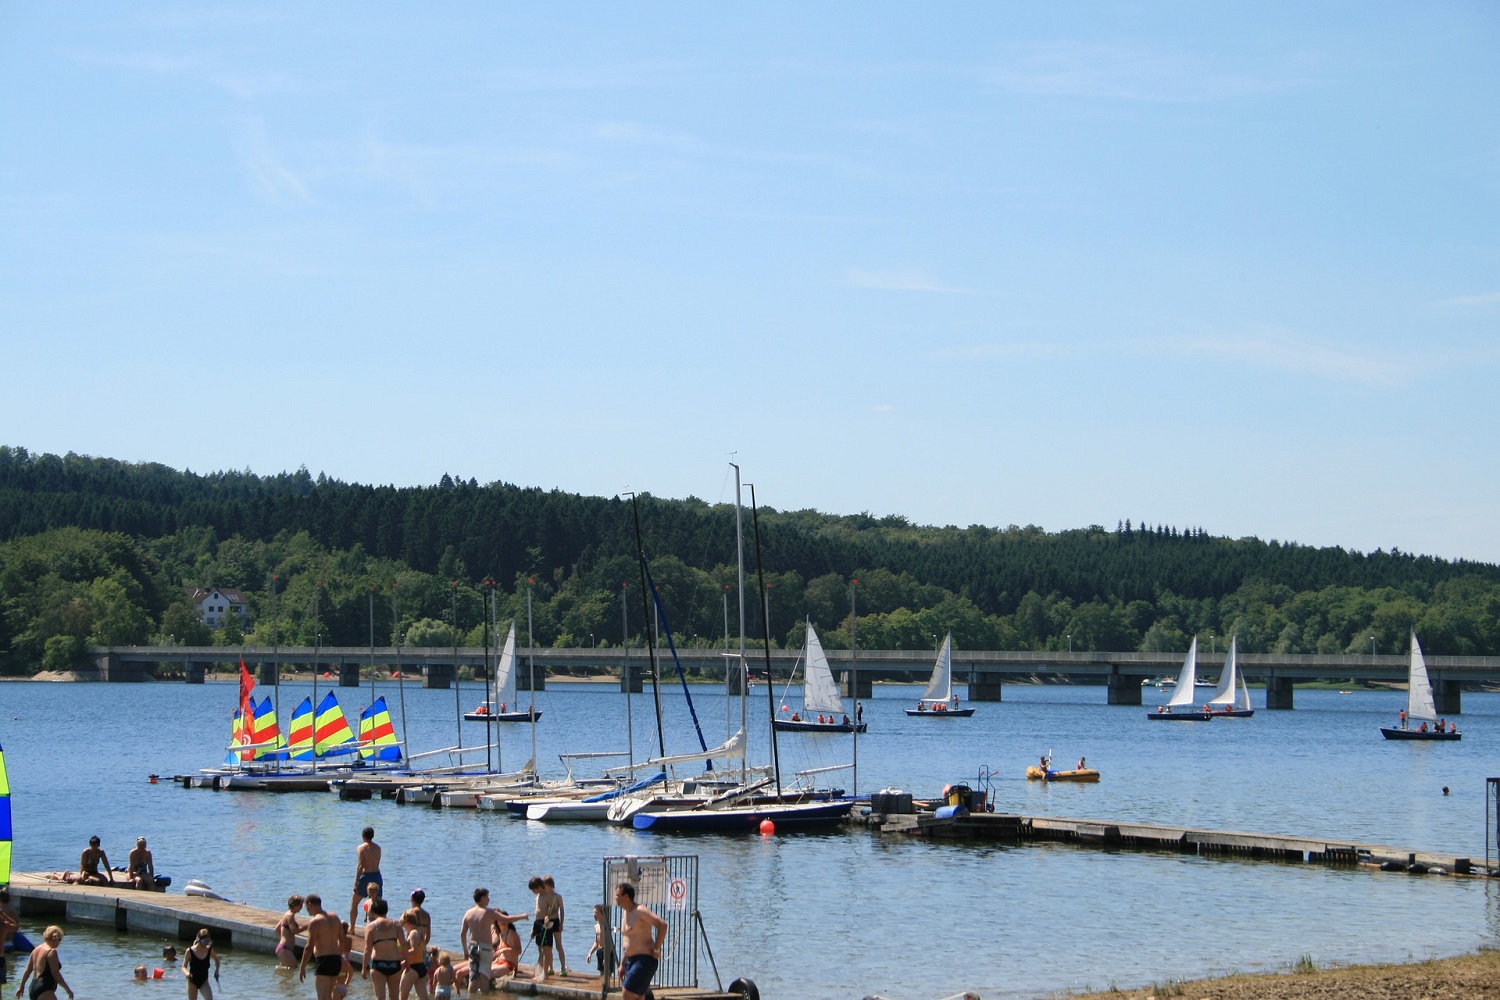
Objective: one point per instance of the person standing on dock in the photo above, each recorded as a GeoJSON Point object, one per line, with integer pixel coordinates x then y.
{"type": "Point", "coordinates": [88, 865]}
{"type": "Point", "coordinates": [641, 932]}
{"type": "Point", "coordinates": [366, 871]}
{"type": "Point", "coordinates": [325, 940]}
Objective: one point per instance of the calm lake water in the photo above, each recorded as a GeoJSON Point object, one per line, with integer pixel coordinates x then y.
{"type": "Point", "coordinates": [833, 915]}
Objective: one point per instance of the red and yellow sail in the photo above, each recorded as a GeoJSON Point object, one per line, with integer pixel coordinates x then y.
{"type": "Point", "coordinates": [333, 734]}
{"type": "Point", "coordinates": [377, 733]}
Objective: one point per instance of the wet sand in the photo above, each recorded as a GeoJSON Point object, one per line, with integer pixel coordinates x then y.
{"type": "Point", "coordinates": [1467, 976]}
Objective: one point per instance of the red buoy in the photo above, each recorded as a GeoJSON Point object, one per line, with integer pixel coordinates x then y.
{"type": "Point", "coordinates": [767, 827]}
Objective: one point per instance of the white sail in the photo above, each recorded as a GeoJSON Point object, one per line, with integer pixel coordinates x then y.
{"type": "Point", "coordinates": [1228, 689]}
{"type": "Point", "coordinates": [1183, 693]}
{"type": "Point", "coordinates": [505, 673]}
{"type": "Point", "coordinates": [940, 687]}
{"type": "Point", "coordinates": [820, 693]}
{"type": "Point", "coordinates": [1244, 703]}
{"type": "Point", "coordinates": [1419, 705]}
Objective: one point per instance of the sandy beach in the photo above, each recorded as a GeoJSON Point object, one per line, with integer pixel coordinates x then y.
{"type": "Point", "coordinates": [1467, 976]}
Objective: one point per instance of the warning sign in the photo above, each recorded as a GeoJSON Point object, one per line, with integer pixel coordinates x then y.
{"type": "Point", "coordinates": [677, 894]}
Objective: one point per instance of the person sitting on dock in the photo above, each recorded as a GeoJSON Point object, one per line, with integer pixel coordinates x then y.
{"type": "Point", "coordinates": [366, 870]}
{"type": "Point", "coordinates": [139, 867]}
{"type": "Point", "coordinates": [325, 948]}
{"type": "Point", "coordinates": [88, 865]}
{"type": "Point", "coordinates": [507, 944]}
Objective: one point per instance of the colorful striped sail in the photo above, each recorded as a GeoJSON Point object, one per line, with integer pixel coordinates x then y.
{"type": "Point", "coordinates": [300, 733]}
{"type": "Point", "coordinates": [5, 832]}
{"type": "Point", "coordinates": [265, 734]}
{"type": "Point", "coordinates": [237, 736]}
{"type": "Point", "coordinates": [377, 733]}
{"type": "Point", "coordinates": [333, 733]}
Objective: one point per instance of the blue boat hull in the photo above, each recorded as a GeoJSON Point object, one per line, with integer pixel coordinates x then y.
{"type": "Point", "coordinates": [802, 816]}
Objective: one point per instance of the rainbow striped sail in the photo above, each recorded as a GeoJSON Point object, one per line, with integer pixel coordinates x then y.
{"type": "Point", "coordinates": [333, 735]}
{"type": "Point", "coordinates": [265, 734]}
{"type": "Point", "coordinates": [236, 737]}
{"type": "Point", "coordinates": [5, 833]}
{"type": "Point", "coordinates": [377, 733]}
{"type": "Point", "coordinates": [300, 733]}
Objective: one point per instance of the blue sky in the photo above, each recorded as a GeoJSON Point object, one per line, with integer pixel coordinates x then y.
{"type": "Point", "coordinates": [1220, 265]}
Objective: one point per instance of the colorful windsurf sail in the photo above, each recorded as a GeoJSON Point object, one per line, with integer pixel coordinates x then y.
{"type": "Point", "coordinates": [5, 832]}
{"type": "Point", "coordinates": [377, 733]}
{"type": "Point", "coordinates": [300, 732]}
{"type": "Point", "coordinates": [265, 734]}
{"type": "Point", "coordinates": [333, 733]}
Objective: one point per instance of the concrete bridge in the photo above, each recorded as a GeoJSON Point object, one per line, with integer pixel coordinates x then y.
{"type": "Point", "coordinates": [986, 671]}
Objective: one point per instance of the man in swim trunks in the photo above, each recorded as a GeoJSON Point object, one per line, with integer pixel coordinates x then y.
{"type": "Point", "coordinates": [325, 947]}
{"type": "Point", "coordinates": [88, 865]}
{"type": "Point", "coordinates": [366, 871]}
{"type": "Point", "coordinates": [476, 939]}
{"type": "Point", "coordinates": [641, 932]}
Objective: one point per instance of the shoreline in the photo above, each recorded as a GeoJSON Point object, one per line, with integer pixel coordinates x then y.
{"type": "Point", "coordinates": [1469, 975]}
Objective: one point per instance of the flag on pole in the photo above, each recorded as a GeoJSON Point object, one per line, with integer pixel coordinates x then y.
{"type": "Point", "coordinates": [247, 711]}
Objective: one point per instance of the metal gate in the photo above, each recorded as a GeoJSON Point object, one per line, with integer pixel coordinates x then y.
{"type": "Point", "coordinates": [668, 885]}
{"type": "Point", "coordinates": [1491, 824]}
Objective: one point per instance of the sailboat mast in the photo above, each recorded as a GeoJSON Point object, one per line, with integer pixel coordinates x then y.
{"type": "Point", "coordinates": [854, 674]}
{"type": "Point", "coordinates": [458, 709]}
{"type": "Point", "coordinates": [489, 702]}
{"type": "Point", "coordinates": [400, 674]}
{"type": "Point", "coordinates": [317, 650]}
{"type": "Point", "coordinates": [625, 675]}
{"type": "Point", "coordinates": [765, 618]}
{"type": "Point", "coordinates": [744, 667]}
{"type": "Point", "coordinates": [531, 670]}
{"type": "Point", "coordinates": [646, 619]}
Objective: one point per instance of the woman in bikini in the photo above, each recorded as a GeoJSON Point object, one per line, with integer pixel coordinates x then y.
{"type": "Point", "coordinates": [195, 962]}
{"type": "Point", "coordinates": [413, 956]}
{"type": "Point", "coordinates": [44, 969]}
{"type": "Point", "coordinates": [382, 958]}
{"type": "Point", "coordinates": [287, 930]}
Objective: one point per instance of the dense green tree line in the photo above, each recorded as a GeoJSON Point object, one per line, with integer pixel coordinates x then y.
{"type": "Point", "coordinates": [97, 552]}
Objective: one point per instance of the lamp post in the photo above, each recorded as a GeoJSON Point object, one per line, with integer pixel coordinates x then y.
{"type": "Point", "coordinates": [1372, 646]}
{"type": "Point", "coordinates": [1070, 642]}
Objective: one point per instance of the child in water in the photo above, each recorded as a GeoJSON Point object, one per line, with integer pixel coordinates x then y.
{"type": "Point", "coordinates": [442, 979]}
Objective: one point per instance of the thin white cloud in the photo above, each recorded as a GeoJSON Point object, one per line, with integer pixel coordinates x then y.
{"type": "Point", "coordinates": [274, 180]}
{"type": "Point", "coordinates": [883, 408]}
{"type": "Point", "coordinates": [1274, 350]}
{"type": "Point", "coordinates": [242, 85]}
{"type": "Point", "coordinates": [1484, 299]}
{"type": "Point", "coordinates": [897, 281]}
{"type": "Point", "coordinates": [1125, 71]}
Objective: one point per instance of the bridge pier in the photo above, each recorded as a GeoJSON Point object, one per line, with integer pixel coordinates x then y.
{"type": "Point", "coordinates": [438, 676]}
{"type": "Point", "coordinates": [733, 682]}
{"type": "Point", "coordinates": [866, 688]}
{"type": "Point", "coordinates": [1279, 693]}
{"type": "Point", "coordinates": [267, 673]}
{"type": "Point", "coordinates": [348, 675]}
{"type": "Point", "coordinates": [632, 672]}
{"type": "Point", "coordinates": [985, 688]}
{"type": "Point", "coordinates": [1447, 697]}
{"type": "Point", "coordinates": [193, 673]}
{"type": "Point", "coordinates": [1123, 689]}
{"type": "Point", "coordinates": [534, 679]}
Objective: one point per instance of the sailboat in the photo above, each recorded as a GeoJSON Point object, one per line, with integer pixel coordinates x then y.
{"type": "Point", "coordinates": [1231, 698]}
{"type": "Point", "coordinates": [939, 700]}
{"type": "Point", "coordinates": [505, 690]}
{"type": "Point", "coordinates": [1421, 711]}
{"type": "Point", "coordinates": [1180, 708]}
{"type": "Point", "coordinates": [820, 697]}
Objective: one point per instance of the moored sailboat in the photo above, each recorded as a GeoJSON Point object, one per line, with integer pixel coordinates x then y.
{"type": "Point", "coordinates": [504, 708]}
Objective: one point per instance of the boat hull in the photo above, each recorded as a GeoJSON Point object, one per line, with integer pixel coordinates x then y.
{"type": "Point", "coordinates": [1035, 773]}
{"type": "Point", "coordinates": [952, 713]}
{"type": "Point", "coordinates": [806, 816]}
{"type": "Point", "coordinates": [1180, 716]}
{"type": "Point", "coordinates": [500, 716]}
{"type": "Point", "coordinates": [803, 726]}
{"type": "Point", "coordinates": [1416, 734]}
{"type": "Point", "coordinates": [1233, 713]}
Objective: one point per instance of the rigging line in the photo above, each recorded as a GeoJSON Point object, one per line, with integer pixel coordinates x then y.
{"type": "Point", "coordinates": [672, 645]}
{"type": "Point", "coordinates": [765, 617]}
{"type": "Point", "coordinates": [646, 625]}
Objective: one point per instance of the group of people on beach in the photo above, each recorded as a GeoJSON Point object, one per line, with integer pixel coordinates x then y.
{"type": "Point", "coordinates": [399, 960]}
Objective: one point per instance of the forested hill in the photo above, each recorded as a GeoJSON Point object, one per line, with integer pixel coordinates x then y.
{"type": "Point", "coordinates": [1130, 587]}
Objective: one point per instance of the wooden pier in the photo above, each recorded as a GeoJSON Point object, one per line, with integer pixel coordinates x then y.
{"type": "Point", "coordinates": [1154, 837]}
{"type": "Point", "coordinates": [244, 927]}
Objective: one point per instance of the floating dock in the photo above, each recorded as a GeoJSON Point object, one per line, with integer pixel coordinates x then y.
{"type": "Point", "coordinates": [244, 927]}
{"type": "Point", "coordinates": [1154, 837]}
